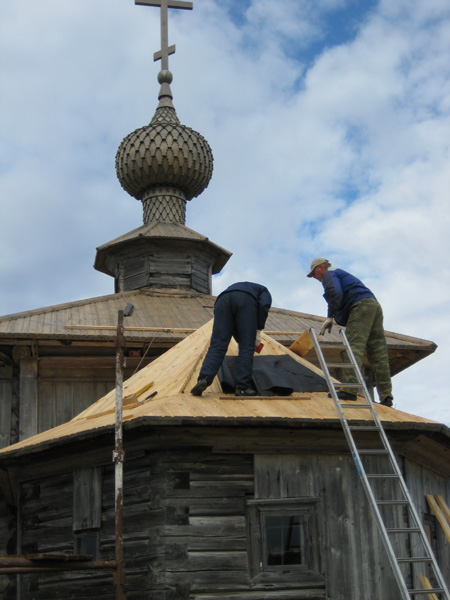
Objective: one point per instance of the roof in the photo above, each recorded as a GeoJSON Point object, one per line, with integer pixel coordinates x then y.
{"type": "Point", "coordinates": [164, 230]}
{"type": "Point", "coordinates": [160, 230]}
{"type": "Point", "coordinates": [159, 395]}
{"type": "Point", "coordinates": [166, 316]}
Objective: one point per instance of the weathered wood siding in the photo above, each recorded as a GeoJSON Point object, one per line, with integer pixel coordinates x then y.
{"type": "Point", "coordinates": [349, 537]}
{"type": "Point", "coordinates": [28, 397]}
{"type": "Point", "coordinates": [6, 376]}
{"type": "Point", "coordinates": [61, 400]}
{"type": "Point", "coordinates": [165, 269]}
{"type": "Point", "coordinates": [201, 279]}
{"type": "Point", "coordinates": [48, 396]}
{"type": "Point", "coordinates": [6, 413]}
{"type": "Point", "coordinates": [186, 530]}
{"type": "Point", "coordinates": [421, 482]}
{"type": "Point", "coordinates": [184, 527]}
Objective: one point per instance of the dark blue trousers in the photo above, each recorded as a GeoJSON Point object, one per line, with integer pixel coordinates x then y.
{"type": "Point", "coordinates": [235, 315]}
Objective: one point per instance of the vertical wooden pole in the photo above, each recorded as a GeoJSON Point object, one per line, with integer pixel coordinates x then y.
{"type": "Point", "coordinates": [118, 458]}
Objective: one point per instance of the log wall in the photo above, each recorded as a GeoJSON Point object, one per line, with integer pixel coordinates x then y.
{"type": "Point", "coordinates": [186, 530]}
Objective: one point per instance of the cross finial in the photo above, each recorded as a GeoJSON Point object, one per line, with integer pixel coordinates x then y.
{"type": "Point", "coordinates": [166, 50]}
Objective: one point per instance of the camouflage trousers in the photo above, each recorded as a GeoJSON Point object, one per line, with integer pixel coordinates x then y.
{"type": "Point", "coordinates": [365, 331]}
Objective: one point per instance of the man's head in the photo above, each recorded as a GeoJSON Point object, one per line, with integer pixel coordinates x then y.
{"type": "Point", "coordinates": [318, 268]}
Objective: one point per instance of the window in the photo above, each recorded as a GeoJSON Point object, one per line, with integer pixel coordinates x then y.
{"type": "Point", "coordinates": [86, 543]}
{"type": "Point", "coordinates": [283, 536]}
{"type": "Point", "coordinates": [283, 539]}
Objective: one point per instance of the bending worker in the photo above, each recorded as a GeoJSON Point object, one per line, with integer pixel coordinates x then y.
{"type": "Point", "coordinates": [353, 305]}
{"type": "Point", "coordinates": [240, 312]}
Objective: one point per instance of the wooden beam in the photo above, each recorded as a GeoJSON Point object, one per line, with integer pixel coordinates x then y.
{"type": "Point", "coordinates": [112, 328]}
{"type": "Point", "coordinates": [427, 586]}
{"type": "Point", "coordinates": [439, 515]}
{"type": "Point", "coordinates": [165, 329]}
{"type": "Point", "coordinates": [443, 506]}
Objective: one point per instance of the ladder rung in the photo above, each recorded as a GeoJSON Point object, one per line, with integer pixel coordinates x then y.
{"type": "Point", "coordinates": [364, 428]}
{"type": "Point", "coordinates": [347, 385]}
{"type": "Point", "coordinates": [403, 530]}
{"type": "Point", "coordinates": [372, 451]}
{"type": "Point", "coordinates": [333, 346]}
{"type": "Point", "coordinates": [415, 559]}
{"type": "Point", "coordinates": [382, 476]}
{"type": "Point", "coordinates": [351, 405]}
{"type": "Point", "coordinates": [424, 591]}
{"type": "Point", "coordinates": [392, 502]}
{"type": "Point", "coordinates": [340, 365]}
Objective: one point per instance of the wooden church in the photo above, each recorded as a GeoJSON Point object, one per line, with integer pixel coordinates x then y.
{"type": "Point", "coordinates": [223, 498]}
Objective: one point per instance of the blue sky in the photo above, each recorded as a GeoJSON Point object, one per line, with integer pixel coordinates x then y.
{"type": "Point", "coordinates": [329, 121]}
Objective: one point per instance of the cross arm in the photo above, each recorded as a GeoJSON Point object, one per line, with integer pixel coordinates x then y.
{"type": "Point", "coordinates": [158, 55]}
{"type": "Point", "coordinates": [170, 3]}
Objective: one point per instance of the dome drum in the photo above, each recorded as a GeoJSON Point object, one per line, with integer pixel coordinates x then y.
{"type": "Point", "coordinates": [164, 204]}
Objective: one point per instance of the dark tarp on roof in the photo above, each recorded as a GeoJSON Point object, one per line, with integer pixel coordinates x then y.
{"type": "Point", "coordinates": [274, 376]}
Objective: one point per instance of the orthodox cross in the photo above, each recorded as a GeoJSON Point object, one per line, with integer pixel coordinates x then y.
{"type": "Point", "coordinates": [166, 50]}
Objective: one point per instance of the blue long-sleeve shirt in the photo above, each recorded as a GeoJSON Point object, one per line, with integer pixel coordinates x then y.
{"type": "Point", "coordinates": [342, 291]}
{"type": "Point", "coordinates": [260, 293]}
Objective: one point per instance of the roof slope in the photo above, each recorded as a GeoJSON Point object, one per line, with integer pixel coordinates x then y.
{"type": "Point", "coordinates": [161, 230]}
{"type": "Point", "coordinates": [159, 394]}
{"type": "Point", "coordinates": [166, 316]}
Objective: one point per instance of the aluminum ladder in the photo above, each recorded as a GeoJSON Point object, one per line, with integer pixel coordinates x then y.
{"type": "Point", "coordinates": [390, 514]}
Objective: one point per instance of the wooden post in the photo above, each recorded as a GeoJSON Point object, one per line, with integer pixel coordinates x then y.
{"type": "Point", "coordinates": [118, 458]}
{"type": "Point", "coordinates": [6, 377]}
{"type": "Point", "coordinates": [28, 420]}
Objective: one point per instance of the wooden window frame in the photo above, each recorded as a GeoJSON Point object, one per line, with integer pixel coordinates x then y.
{"type": "Point", "coordinates": [305, 507]}
{"type": "Point", "coordinates": [87, 542]}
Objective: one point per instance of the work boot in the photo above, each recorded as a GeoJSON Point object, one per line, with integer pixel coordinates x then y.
{"type": "Point", "coordinates": [247, 392]}
{"type": "Point", "coordinates": [200, 386]}
{"type": "Point", "coordinates": [344, 396]}
{"type": "Point", "coordinates": [388, 401]}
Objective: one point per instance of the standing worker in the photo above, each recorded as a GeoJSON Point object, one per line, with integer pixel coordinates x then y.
{"type": "Point", "coordinates": [240, 311]}
{"type": "Point", "coordinates": [353, 305]}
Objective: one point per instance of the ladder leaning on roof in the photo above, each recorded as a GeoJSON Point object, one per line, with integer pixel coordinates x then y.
{"type": "Point", "coordinates": [389, 513]}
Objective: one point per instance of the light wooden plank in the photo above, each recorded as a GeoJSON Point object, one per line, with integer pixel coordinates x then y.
{"type": "Point", "coordinates": [427, 586]}
{"type": "Point", "coordinates": [303, 344]}
{"type": "Point", "coordinates": [439, 515]}
{"type": "Point", "coordinates": [443, 506]}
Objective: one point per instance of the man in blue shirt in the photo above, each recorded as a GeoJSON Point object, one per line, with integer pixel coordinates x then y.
{"type": "Point", "coordinates": [240, 311]}
{"type": "Point", "coordinates": [353, 305]}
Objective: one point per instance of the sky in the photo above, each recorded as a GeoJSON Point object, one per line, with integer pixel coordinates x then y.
{"type": "Point", "coordinates": [329, 122]}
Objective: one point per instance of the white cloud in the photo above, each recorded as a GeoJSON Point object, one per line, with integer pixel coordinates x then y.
{"type": "Point", "coordinates": [326, 142]}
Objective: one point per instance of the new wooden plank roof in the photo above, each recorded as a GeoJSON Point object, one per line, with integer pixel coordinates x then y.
{"type": "Point", "coordinates": [159, 394]}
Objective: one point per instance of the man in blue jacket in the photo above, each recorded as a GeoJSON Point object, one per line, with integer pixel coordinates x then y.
{"type": "Point", "coordinates": [240, 311]}
{"type": "Point", "coordinates": [353, 305]}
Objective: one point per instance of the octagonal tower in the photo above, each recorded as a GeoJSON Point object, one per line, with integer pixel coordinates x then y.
{"type": "Point", "coordinates": [163, 164]}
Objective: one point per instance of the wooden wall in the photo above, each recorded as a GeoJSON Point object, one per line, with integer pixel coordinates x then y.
{"type": "Point", "coordinates": [166, 267]}
{"type": "Point", "coordinates": [51, 395]}
{"type": "Point", "coordinates": [6, 410]}
{"type": "Point", "coordinates": [6, 381]}
{"type": "Point", "coordinates": [186, 531]}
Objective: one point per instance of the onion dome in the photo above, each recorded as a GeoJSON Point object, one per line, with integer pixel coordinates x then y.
{"type": "Point", "coordinates": [165, 163]}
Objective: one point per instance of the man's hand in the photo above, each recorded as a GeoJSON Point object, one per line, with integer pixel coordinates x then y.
{"type": "Point", "coordinates": [327, 324]}
{"type": "Point", "coordinates": [258, 338]}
